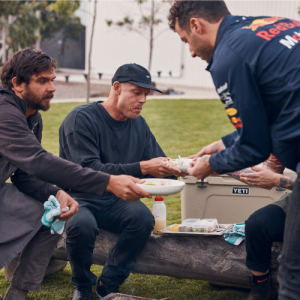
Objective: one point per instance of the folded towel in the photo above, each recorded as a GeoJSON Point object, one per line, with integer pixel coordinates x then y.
{"type": "Point", "coordinates": [236, 234]}
{"type": "Point", "coordinates": [52, 209]}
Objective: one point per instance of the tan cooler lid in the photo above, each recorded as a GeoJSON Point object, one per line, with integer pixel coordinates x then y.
{"type": "Point", "coordinates": [224, 179]}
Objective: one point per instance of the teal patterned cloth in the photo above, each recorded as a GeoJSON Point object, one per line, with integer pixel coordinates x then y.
{"type": "Point", "coordinates": [236, 234]}
{"type": "Point", "coordinates": [52, 209]}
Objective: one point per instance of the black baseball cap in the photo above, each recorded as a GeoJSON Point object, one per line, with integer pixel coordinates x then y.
{"type": "Point", "coordinates": [134, 74]}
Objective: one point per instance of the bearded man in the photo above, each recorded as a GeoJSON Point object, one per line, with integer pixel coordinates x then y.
{"type": "Point", "coordinates": [27, 80]}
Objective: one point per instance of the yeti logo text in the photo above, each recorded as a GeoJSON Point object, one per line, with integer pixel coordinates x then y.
{"type": "Point", "coordinates": [240, 191]}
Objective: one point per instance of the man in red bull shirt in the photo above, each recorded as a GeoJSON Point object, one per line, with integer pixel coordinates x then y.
{"type": "Point", "coordinates": [255, 66]}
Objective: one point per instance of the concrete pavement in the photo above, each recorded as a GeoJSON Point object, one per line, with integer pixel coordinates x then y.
{"type": "Point", "coordinates": [193, 93]}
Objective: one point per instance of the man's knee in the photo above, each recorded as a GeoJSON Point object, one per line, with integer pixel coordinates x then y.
{"type": "Point", "coordinates": [261, 221]}
{"type": "Point", "coordinates": [82, 226]}
{"type": "Point", "coordinates": [142, 219]}
{"type": "Point", "coordinates": [252, 225]}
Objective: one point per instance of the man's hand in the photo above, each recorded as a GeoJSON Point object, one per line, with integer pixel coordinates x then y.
{"type": "Point", "coordinates": [125, 187]}
{"type": "Point", "coordinates": [262, 178]}
{"type": "Point", "coordinates": [201, 167]}
{"type": "Point", "coordinates": [210, 149]}
{"type": "Point", "coordinates": [157, 168]}
{"type": "Point", "coordinates": [66, 200]}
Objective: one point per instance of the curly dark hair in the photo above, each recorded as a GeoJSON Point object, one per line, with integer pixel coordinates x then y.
{"type": "Point", "coordinates": [23, 64]}
{"type": "Point", "coordinates": [183, 11]}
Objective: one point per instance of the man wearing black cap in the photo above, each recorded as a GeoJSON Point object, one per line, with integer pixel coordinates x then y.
{"type": "Point", "coordinates": [111, 137]}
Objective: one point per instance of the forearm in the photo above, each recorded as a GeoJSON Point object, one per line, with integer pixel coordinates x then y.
{"type": "Point", "coordinates": [34, 188]}
{"type": "Point", "coordinates": [132, 169]}
{"type": "Point", "coordinates": [145, 169]}
{"type": "Point", "coordinates": [48, 168]}
{"type": "Point", "coordinates": [229, 139]}
{"type": "Point", "coordinates": [285, 182]}
{"type": "Point", "coordinates": [84, 150]}
{"type": "Point", "coordinates": [237, 174]}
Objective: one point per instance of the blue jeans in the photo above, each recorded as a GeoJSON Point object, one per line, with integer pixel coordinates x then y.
{"type": "Point", "coordinates": [132, 220]}
{"type": "Point", "coordinates": [289, 270]}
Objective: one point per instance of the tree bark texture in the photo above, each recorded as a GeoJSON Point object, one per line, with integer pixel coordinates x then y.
{"type": "Point", "coordinates": [88, 79]}
{"type": "Point", "coordinates": [151, 35]}
{"type": "Point", "coordinates": [192, 257]}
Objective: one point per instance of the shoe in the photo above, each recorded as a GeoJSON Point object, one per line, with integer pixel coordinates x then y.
{"type": "Point", "coordinates": [104, 290]}
{"type": "Point", "coordinates": [82, 293]}
{"type": "Point", "coordinates": [254, 295]}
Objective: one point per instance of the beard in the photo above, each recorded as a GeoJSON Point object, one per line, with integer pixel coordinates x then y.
{"type": "Point", "coordinates": [205, 53]}
{"type": "Point", "coordinates": [35, 101]}
{"type": "Point", "coordinates": [203, 50]}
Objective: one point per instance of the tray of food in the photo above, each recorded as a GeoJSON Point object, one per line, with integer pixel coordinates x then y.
{"type": "Point", "coordinates": [204, 227]}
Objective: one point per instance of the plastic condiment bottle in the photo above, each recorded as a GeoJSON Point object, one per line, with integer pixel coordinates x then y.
{"type": "Point", "coordinates": [159, 213]}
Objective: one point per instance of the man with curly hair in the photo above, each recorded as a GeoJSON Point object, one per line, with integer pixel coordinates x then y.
{"type": "Point", "coordinates": [255, 67]}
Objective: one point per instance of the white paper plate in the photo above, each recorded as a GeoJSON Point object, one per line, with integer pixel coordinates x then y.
{"type": "Point", "coordinates": [185, 165]}
{"type": "Point", "coordinates": [175, 187]}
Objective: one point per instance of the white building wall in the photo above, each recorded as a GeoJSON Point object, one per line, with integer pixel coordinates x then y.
{"type": "Point", "coordinates": [113, 47]}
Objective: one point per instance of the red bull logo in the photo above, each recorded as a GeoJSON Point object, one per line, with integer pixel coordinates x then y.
{"type": "Point", "coordinates": [237, 122]}
{"type": "Point", "coordinates": [262, 22]}
{"type": "Point", "coordinates": [271, 32]}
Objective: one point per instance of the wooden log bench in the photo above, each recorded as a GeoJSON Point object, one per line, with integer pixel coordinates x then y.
{"type": "Point", "coordinates": [204, 258]}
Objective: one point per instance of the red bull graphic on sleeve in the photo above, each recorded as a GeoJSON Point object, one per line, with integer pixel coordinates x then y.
{"type": "Point", "coordinates": [235, 120]}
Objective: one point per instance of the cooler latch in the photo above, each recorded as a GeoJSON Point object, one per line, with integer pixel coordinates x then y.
{"type": "Point", "coordinates": [202, 186]}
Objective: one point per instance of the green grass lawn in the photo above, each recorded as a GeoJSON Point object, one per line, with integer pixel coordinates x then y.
{"type": "Point", "coordinates": [180, 127]}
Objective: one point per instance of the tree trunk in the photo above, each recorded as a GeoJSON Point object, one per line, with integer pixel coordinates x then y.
{"type": "Point", "coordinates": [151, 36]}
{"type": "Point", "coordinates": [3, 44]}
{"type": "Point", "coordinates": [205, 258]}
{"type": "Point", "coordinates": [90, 54]}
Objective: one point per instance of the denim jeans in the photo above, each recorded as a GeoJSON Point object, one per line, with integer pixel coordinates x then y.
{"type": "Point", "coordinates": [132, 220]}
{"type": "Point", "coordinates": [289, 270]}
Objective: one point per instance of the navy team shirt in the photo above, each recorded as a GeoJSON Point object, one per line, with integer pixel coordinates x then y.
{"type": "Point", "coordinates": [255, 67]}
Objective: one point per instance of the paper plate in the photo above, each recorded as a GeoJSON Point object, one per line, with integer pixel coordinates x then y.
{"type": "Point", "coordinates": [175, 187]}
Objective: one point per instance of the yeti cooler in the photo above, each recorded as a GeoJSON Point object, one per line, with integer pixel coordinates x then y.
{"type": "Point", "coordinates": [225, 198]}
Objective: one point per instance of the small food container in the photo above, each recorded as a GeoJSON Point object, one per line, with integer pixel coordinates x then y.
{"type": "Point", "coordinates": [185, 228]}
{"type": "Point", "coordinates": [213, 224]}
{"type": "Point", "coordinates": [201, 226]}
{"type": "Point", "coordinates": [190, 222]}
{"type": "Point", "coordinates": [205, 225]}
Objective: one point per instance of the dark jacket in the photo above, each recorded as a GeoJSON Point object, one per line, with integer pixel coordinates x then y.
{"type": "Point", "coordinates": [255, 67]}
{"type": "Point", "coordinates": [22, 154]}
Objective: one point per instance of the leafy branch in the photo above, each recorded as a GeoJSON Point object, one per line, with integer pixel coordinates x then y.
{"type": "Point", "coordinates": [148, 21]}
